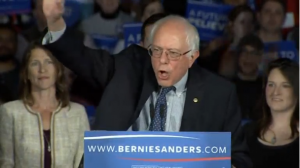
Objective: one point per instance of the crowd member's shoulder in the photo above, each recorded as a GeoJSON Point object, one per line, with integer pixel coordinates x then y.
{"type": "Point", "coordinates": [75, 108]}
{"type": "Point", "coordinates": [13, 108]}
{"type": "Point", "coordinates": [13, 105]}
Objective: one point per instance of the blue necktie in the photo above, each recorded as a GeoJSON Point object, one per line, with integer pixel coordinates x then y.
{"type": "Point", "coordinates": [159, 121]}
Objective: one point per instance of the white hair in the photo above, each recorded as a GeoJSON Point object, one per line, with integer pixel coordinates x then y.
{"type": "Point", "coordinates": [192, 36]}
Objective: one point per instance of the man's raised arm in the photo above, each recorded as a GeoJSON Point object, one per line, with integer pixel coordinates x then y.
{"type": "Point", "coordinates": [94, 66]}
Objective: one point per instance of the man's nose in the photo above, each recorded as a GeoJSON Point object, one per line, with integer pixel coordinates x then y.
{"type": "Point", "coordinates": [164, 57]}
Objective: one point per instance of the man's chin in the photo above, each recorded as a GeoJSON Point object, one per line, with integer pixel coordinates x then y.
{"type": "Point", "coordinates": [164, 83]}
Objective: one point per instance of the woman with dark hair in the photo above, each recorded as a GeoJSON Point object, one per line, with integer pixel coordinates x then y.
{"type": "Point", "coordinates": [42, 129]}
{"type": "Point", "coordinates": [241, 23]}
{"type": "Point", "coordinates": [274, 139]}
{"type": "Point", "coordinates": [218, 56]}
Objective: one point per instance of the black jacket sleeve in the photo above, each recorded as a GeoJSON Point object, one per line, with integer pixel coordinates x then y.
{"type": "Point", "coordinates": [94, 66]}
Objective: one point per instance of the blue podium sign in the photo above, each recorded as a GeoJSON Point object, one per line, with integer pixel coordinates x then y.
{"type": "Point", "coordinates": [109, 149]}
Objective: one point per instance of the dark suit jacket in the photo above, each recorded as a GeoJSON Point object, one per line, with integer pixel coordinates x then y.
{"type": "Point", "coordinates": [129, 80]}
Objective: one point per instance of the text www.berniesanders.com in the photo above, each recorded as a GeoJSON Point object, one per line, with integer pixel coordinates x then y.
{"type": "Point", "coordinates": [157, 149]}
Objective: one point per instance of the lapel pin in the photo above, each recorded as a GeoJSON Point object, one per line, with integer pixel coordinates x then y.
{"type": "Point", "coordinates": [195, 100]}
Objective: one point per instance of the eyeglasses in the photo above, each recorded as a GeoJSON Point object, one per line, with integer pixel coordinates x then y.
{"type": "Point", "coordinates": [157, 52]}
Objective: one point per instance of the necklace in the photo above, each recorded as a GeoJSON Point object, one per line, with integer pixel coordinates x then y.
{"type": "Point", "coordinates": [274, 139]}
{"type": "Point", "coordinates": [48, 143]}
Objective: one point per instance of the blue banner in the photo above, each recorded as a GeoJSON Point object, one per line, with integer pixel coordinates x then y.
{"type": "Point", "coordinates": [282, 49]}
{"type": "Point", "coordinates": [105, 42]}
{"type": "Point", "coordinates": [132, 33]}
{"type": "Point", "coordinates": [111, 149]}
{"type": "Point", "coordinates": [210, 19]}
{"type": "Point", "coordinates": [72, 12]}
{"type": "Point", "coordinates": [275, 50]}
{"type": "Point", "coordinates": [15, 6]}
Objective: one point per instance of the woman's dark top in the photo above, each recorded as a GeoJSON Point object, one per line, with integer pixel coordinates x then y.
{"type": "Point", "coordinates": [263, 156]}
{"type": "Point", "coordinates": [47, 154]}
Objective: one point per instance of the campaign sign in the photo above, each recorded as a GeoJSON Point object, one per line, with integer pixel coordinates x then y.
{"type": "Point", "coordinates": [275, 50]}
{"type": "Point", "coordinates": [105, 42]}
{"type": "Point", "coordinates": [132, 33]}
{"type": "Point", "coordinates": [136, 149]}
{"type": "Point", "coordinates": [210, 19]}
{"type": "Point", "coordinates": [72, 13]}
{"type": "Point", "coordinates": [283, 49]}
{"type": "Point", "coordinates": [14, 6]}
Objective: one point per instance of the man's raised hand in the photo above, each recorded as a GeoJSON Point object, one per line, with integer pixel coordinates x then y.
{"type": "Point", "coordinates": [53, 11]}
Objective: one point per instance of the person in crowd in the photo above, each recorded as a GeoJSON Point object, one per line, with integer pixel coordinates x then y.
{"type": "Point", "coordinates": [149, 8]}
{"type": "Point", "coordinates": [241, 23]}
{"type": "Point", "coordinates": [147, 26]}
{"type": "Point", "coordinates": [247, 80]}
{"type": "Point", "coordinates": [218, 56]}
{"type": "Point", "coordinates": [145, 31]}
{"type": "Point", "coordinates": [14, 22]}
{"type": "Point", "coordinates": [43, 128]}
{"type": "Point", "coordinates": [107, 21]}
{"type": "Point", "coordinates": [36, 31]}
{"type": "Point", "coordinates": [274, 139]}
{"type": "Point", "coordinates": [270, 16]}
{"type": "Point", "coordinates": [132, 78]}
{"type": "Point", "coordinates": [9, 66]}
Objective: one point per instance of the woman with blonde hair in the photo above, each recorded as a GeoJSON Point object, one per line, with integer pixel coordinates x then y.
{"type": "Point", "coordinates": [43, 129]}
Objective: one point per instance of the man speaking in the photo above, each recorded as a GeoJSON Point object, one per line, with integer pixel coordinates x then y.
{"type": "Point", "coordinates": [159, 89]}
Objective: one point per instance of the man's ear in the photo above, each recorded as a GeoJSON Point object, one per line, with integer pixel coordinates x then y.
{"type": "Point", "coordinates": [193, 58]}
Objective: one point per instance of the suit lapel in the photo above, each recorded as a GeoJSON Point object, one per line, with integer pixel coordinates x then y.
{"type": "Point", "coordinates": [193, 101]}
{"type": "Point", "coordinates": [149, 85]}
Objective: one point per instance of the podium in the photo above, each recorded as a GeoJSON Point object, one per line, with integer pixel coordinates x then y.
{"type": "Point", "coordinates": [114, 149]}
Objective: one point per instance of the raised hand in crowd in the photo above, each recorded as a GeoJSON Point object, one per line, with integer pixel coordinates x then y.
{"type": "Point", "coordinates": [53, 11]}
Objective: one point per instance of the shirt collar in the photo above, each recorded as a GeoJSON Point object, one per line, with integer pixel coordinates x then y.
{"type": "Point", "coordinates": [181, 84]}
